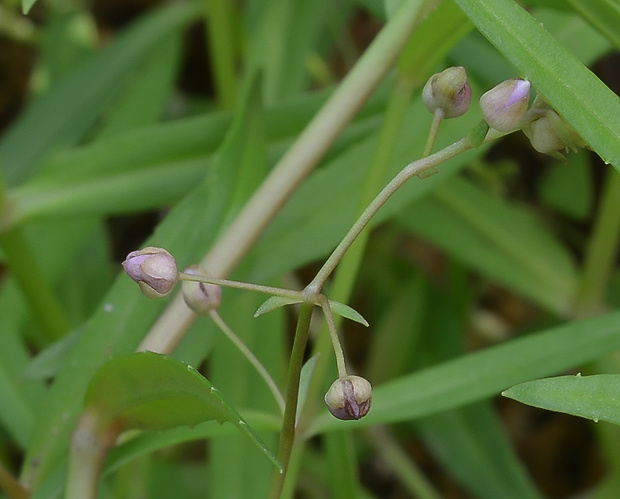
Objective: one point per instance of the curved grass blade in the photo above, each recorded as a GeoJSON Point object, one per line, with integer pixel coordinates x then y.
{"type": "Point", "coordinates": [486, 373]}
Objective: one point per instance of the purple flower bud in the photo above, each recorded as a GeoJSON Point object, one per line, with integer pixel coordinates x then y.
{"type": "Point", "coordinates": [199, 296]}
{"type": "Point", "coordinates": [505, 105]}
{"type": "Point", "coordinates": [154, 269]}
{"type": "Point", "coordinates": [448, 92]}
{"type": "Point", "coordinates": [349, 397]}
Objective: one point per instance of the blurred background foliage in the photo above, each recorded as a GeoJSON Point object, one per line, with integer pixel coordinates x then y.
{"type": "Point", "coordinates": [116, 115]}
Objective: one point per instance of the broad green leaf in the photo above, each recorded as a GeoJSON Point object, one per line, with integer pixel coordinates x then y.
{"type": "Point", "coordinates": [155, 392]}
{"type": "Point", "coordinates": [486, 373]}
{"type": "Point", "coordinates": [273, 303]}
{"type": "Point", "coordinates": [49, 123]}
{"type": "Point", "coordinates": [594, 397]}
{"type": "Point", "coordinates": [573, 90]}
{"type": "Point", "coordinates": [347, 312]}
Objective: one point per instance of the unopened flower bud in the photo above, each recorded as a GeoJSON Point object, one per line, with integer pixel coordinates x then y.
{"type": "Point", "coordinates": [349, 397]}
{"type": "Point", "coordinates": [550, 134]}
{"type": "Point", "coordinates": [154, 269]}
{"type": "Point", "coordinates": [199, 296]}
{"type": "Point", "coordinates": [448, 92]}
{"type": "Point", "coordinates": [505, 105]}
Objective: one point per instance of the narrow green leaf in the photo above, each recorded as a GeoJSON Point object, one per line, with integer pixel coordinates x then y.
{"type": "Point", "coordinates": [572, 89]}
{"type": "Point", "coordinates": [48, 123]}
{"type": "Point", "coordinates": [151, 391]}
{"type": "Point", "coordinates": [568, 187]}
{"type": "Point", "coordinates": [27, 5]}
{"type": "Point", "coordinates": [486, 373]}
{"type": "Point", "coordinates": [304, 381]}
{"type": "Point", "coordinates": [471, 443]}
{"type": "Point", "coordinates": [347, 312]}
{"type": "Point", "coordinates": [50, 361]}
{"type": "Point", "coordinates": [604, 15]}
{"type": "Point", "coordinates": [593, 397]}
{"type": "Point", "coordinates": [488, 234]}
{"type": "Point", "coordinates": [274, 303]}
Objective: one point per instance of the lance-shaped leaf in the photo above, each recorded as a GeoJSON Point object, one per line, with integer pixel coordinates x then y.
{"type": "Point", "coordinates": [593, 397]}
{"type": "Point", "coordinates": [151, 391]}
{"type": "Point", "coordinates": [347, 312]}
{"type": "Point", "coordinates": [273, 303]}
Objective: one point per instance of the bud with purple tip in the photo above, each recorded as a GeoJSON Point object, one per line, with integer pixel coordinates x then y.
{"type": "Point", "coordinates": [505, 105]}
{"type": "Point", "coordinates": [154, 269]}
{"type": "Point", "coordinates": [201, 297]}
{"type": "Point", "coordinates": [448, 92]}
{"type": "Point", "coordinates": [349, 397]}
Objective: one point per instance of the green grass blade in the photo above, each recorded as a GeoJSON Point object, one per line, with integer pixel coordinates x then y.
{"type": "Point", "coordinates": [593, 397]}
{"type": "Point", "coordinates": [573, 90]}
{"type": "Point", "coordinates": [604, 15]}
{"type": "Point", "coordinates": [483, 374]}
{"type": "Point", "coordinates": [49, 123]}
{"type": "Point", "coordinates": [27, 5]}
{"type": "Point", "coordinates": [498, 239]}
{"type": "Point", "coordinates": [471, 443]}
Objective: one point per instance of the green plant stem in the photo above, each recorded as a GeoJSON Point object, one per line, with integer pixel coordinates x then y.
{"type": "Point", "coordinates": [432, 133]}
{"type": "Point", "coordinates": [294, 166]}
{"type": "Point", "coordinates": [287, 435]}
{"type": "Point", "coordinates": [270, 290]}
{"type": "Point", "coordinates": [12, 488]}
{"type": "Point", "coordinates": [602, 250]}
{"type": "Point", "coordinates": [220, 323]}
{"type": "Point", "coordinates": [33, 285]}
{"type": "Point", "coordinates": [333, 333]}
{"type": "Point", "coordinates": [411, 170]}
{"type": "Point", "coordinates": [90, 443]}
{"type": "Point", "coordinates": [221, 48]}
{"type": "Point", "coordinates": [411, 477]}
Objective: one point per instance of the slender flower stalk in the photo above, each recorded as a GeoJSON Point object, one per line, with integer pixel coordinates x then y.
{"type": "Point", "coordinates": [227, 283]}
{"type": "Point", "coordinates": [235, 340]}
{"type": "Point", "coordinates": [333, 333]}
{"type": "Point", "coordinates": [411, 170]}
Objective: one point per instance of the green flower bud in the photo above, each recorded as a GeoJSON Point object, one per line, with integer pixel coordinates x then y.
{"type": "Point", "coordinates": [505, 105]}
{"type": "Point", "coordinates": [199, 296]}
{"type": "Point", "coordinates": [349, 397]}
{"type": "Point", "coordinates": [448, 92]}
{"type": "Point", "coordinates": [154, 269]}
{"type": "Point", "coordinates": [550, 134]}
